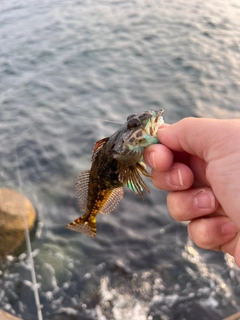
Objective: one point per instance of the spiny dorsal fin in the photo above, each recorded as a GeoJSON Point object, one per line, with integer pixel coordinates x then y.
{"type": "Point", "coordinates": [98, 145]}
{"type": "Point", "coordinates": [81, 186]}
{"type": "Point", "coordinates": [112, 201]}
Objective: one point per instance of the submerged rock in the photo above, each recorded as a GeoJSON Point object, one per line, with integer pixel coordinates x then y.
{"type": "Point", "coordinates": [13, 207]}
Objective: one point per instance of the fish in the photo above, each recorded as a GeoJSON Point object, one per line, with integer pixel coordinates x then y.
{"type": "Point", "coordinates": [116, 161]}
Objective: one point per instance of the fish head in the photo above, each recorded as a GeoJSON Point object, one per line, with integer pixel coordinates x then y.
{"type": "Point", "coordinates": [139, 131]}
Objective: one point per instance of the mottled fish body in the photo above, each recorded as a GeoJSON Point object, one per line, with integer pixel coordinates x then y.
{"type": "Point", "coordinates": [116, 161]}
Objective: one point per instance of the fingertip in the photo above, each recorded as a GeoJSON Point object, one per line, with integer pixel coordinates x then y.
{"type": "Point", "coordinates": [208, 233]}
{"type": "Point", "coordinates": [162, 133]}
{"type": "Point", "coordinates": [158, 157]}
{"type": "Point", "coordinates": [164, 125]}
{"type": "Point", "coordinates": [177, 177]}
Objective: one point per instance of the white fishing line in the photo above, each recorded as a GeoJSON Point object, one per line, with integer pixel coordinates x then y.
{"type": "Point", "coordinates": [95, 119]}
{"type": "Point", "coordinates": [28, 242]}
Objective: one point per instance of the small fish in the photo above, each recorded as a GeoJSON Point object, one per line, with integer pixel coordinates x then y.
{"type": "Point", "coordinates": [116, 161]}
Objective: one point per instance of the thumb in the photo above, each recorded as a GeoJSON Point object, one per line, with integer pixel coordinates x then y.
{"type": "Point", "coordinates": [197, 136]}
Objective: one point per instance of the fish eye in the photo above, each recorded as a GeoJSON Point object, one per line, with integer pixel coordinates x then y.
{"type": "Point", "coordinates": [131, 116]}
{"type": "Point", "coordinates": [133, 122]}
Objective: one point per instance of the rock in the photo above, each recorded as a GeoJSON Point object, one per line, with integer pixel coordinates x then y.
{"type": "Point", "coordinates": [7, 316]}
{"type": "Point", "coordinates": [12, 228]}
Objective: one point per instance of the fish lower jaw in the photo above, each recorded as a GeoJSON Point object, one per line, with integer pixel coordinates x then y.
{"type": "Point", "coordinates": [131, 157]}
{"type": "Point", "coordinates": [139, 146]}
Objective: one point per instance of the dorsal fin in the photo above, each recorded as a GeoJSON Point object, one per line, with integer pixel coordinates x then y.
{"type": "Point", "coordinates": [98, 145]}
{"type": "Point", "coordinates": [112, 201]}
{"type": "Point", "coordinates": [81, 186]}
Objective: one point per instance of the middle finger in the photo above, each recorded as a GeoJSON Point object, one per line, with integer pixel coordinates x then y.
{"type": "Point", "coordinates": [177, 177]}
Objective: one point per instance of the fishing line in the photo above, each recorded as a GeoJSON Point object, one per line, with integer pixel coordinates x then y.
{"type": "Point", "coordinates": [19, 88]}
{"type": "Point", "coordinates": [28, 242]}
{"type": "Point", "coordinates": [92, 119]}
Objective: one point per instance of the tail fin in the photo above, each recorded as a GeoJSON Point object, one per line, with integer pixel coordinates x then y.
{"type": "Point", "coordinates": [85, 225]}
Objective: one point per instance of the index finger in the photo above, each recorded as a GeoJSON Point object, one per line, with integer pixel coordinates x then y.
{"type": "Point", "coordinates": [158, 157]}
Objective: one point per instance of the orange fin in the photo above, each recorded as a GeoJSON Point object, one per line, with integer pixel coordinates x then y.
{"type": "Point", "coordinates": [98, 145]}
{"type": "Point", "coordinates": [81, 186]}
{"type": "Point", "coordinates": [113, 200]}
{"type": "Point", "coordinates": [83, 225]}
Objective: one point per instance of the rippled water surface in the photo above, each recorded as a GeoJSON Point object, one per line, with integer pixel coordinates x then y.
{"type": "Point", "coordinates": [70, 74]}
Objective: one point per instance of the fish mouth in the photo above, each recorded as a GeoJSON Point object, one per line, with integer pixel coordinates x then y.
{"type": "Point", "coordinates": [158, 114]}
{"type": "Point", "coordinates": [154, 123]}
{"type": "Point", "coordinates": [130, 145]}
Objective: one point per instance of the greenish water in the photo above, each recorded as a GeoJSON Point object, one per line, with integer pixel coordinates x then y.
{"type": "Point", "coordinates": [70, 73]}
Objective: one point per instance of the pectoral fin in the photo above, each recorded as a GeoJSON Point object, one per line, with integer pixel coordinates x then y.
{"type": "Point", "coordinates": [142, 168]}
{"type": "Point", "coordinates": [136, 183]}
{"type": "Point", "coordinates": [132, 187]}
{"type": "Point", "coordinates": [131, 176]}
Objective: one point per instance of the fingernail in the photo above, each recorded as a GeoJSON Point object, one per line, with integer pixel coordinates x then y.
{"type": "Point", "coordinates": [204, 200]}
{"type": "Point", "coordinates": [151, 160]}
{"type": "Point", "coordinates": [229, 228]}
{"type": "Point", "coordinates": [174, 177]}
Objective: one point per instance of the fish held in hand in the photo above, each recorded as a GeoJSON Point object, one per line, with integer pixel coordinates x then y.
{"type": "Point", "coordinates": [116, 161]}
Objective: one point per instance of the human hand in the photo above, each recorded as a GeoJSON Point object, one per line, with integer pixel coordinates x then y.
{"type": "Point", "coordinates": [198, 160]}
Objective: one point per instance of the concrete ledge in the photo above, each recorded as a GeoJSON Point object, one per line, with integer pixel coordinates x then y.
{"type": "Point", "coordinates": [7, 316]}
{"type": "Point", "coordinates": [235, 316]}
